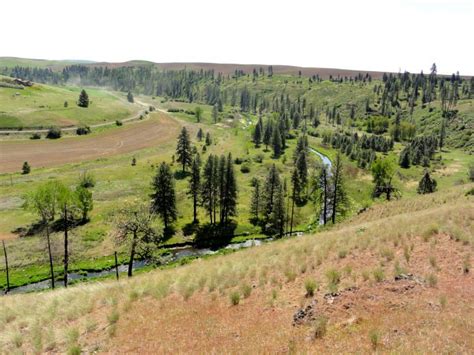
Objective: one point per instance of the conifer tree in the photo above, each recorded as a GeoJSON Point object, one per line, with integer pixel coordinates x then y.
{"type": "Point", "coordinates": [208, 139]}
{"type": "Point", "coordinates": [215, 113]}
{"type": "Point", "coordinates": [195, 184]}
{"type": "Point", "coordinates": [339, 200]}
{"type": "Point", "coordinates": [83, 99]}
{"type": "Point", "coordinates": [163, 196]}
{"type": "Point", "coordinates": [427, 184]}
{"type": "Point", "coordinates": [200, 134]}
{"type": "Point", "coordinates": [130, 97]}
{"type": "Point", "coordinates": [267, 134]}
{"type": "Point", "coordinates": [272, 183]}
{"type": "Point", "coordinates": [210, 188]}
{"type": "Point", "coordinates": [183, 149]}
{"type": "Point", "coordinates": [257, 134]}
{"type": "Point", "coordinates": [255, 205]}
{"type": "Point", "coordinates": [278, 213]}
{"type": "Point", "coordinates": [276, 142]}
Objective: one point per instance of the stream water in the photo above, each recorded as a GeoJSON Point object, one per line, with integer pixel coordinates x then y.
{"type": "Point", "coordinates": [174, 255]}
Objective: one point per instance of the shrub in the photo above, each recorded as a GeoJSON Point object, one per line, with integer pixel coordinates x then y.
{"type": "Point", "coordinates": [35, 136]}
{"type": "Point", "coordinates": [259, 158]}
{"type": "Point", "coordinates": [118, 123]}
{"type": "Point", "coordinates": [238, 161]}
{"type": "Point", "coordinates": [246, 290]}
{"type": "Point", "coordinates": [320, 327]}
{"type": "Point", "coordinates": [54, 133]}
{"type": "Point", "coordinates": [290, 275]}
{"type": "Point", "coordinates": [25, 169]}
{"type": "Point", "coordinates": [245, 169]}
{"type": "Point", "coordinates": [333, 276]}
{"type": "Point", "coordinates": [86, 180]}
{"type": "Point", "coordinates": [432, 280]}
{"type": "Point", "coordinates": [310, 286]}
{"type": "Point", "coordinates": [234, 298]}
{"type": "Point", "coordinates": [378, 274]}
{"type": "Point", "coordinates": [80, 131]}
{"type": "Point", "coordinates": [342, 254]}
{"type": "Point", "coordinates": [374, 337]}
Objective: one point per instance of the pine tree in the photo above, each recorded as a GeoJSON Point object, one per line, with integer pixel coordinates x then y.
{"type": "Point", "coordinates": [200, 134]}
{"type": "Point", "coordinates": [164, 197]}
{"type": "Point", "coordinates": [272, 183]}
{"type": "Point", "coordinates": [83, 99]}
{"type": "Point", "coordinates": [427, 185]}
{"type": "Point", "coordinates": [215, 113]}
{"type": "Point", "coordinates": [210, 188]}
{"type": "Point", "coordinates": [267, 134]}
{"type": "Point", "coordinates": [257, 134]}
{"type": "Point", "coordinates": [339, 200]}
{"type": "Point", "coordinates": [442, 133]}
{"type": "Point", "coordinates": [255, 205]}
{"type": "Point", "coordinates": [195, 184]}
{"type": "Point", "coordinates": [404, 160]}
{"type": "Point", "coordinates": [183, 149]}
{"type": "Point", "coordinates": [229, 204]}
{"type": "Point", "coordinates": [198, 113]}
{"type": "Point", "coordinates": [130, 97]}
{"type": "Point", "coordinates": [276, 142]}
{"type": "Point", "coordinates": [208, 139]}
{"type": "Point", "coordinates": [278, 213]}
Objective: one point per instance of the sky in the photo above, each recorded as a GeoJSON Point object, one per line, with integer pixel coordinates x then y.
{"type": "Point", "coordinates": [385, 35]}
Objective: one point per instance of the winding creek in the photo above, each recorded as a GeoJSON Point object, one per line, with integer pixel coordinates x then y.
{"type": "Point", "coordinates": [173, 255]}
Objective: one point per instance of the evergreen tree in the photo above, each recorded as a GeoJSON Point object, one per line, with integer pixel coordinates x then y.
{"type": "Point", "coordinates": [257, 134]}
{"type": "Point", "coordinates": [215, 113]}
{"type": "Point", "coordinates": [198, 113]}
{"type": "Point", "coordinates": [272, 183]}
{"type": "Point", "coordinates": [83, 99]}
{"type": "Point", "coordinates": [200, 134]}
{"type": "Point", "coordinates": [404, 160]}
{"type": "Point", "coordinates": [426, 185]}
{"type": "Point", "coordinates": [183, 149]}
{"type": "Point", "coordinates": [255, 206]}
{"type": "Point", "coordinates": [210, 188]}
{"type": "Point", "coordinates": [276, 142]}
{"type": "Point", "coordinates": [208, 139]}
{"type": "Point", "coordinates": [267, 134]}
{"type": "Point", "coordinates": [130, 97]}
{"type": "Point", "coordinates": [278, 217]}
{"type": "Point", "coordinates": [163, 196]}
{"type": "Point", "coordinates": [382, 172]}
{"type": "Point", "coordinates": [339, 200]}
{"type": "Point", "coordinates": [195, 184]}
{"type": "Point", "coordinates": [229, 200]}
{"type": "Point", "coordinates": [442, 133]}
{"type": "Point", "coordinates": [322, 189]}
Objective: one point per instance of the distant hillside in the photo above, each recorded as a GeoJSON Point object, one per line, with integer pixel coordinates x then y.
{"type": "Point", "coordinates": [40, 63]}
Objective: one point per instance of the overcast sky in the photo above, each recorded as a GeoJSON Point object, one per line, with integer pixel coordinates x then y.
{"type": "Point", "coordinates": [386, 35]}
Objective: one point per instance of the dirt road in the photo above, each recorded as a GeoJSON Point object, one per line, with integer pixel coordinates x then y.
{"type": "Point", "coordinates": [158, 129]}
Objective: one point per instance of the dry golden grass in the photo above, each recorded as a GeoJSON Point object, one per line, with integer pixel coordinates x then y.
{"type": "Point", "coordinates": [193, 308]}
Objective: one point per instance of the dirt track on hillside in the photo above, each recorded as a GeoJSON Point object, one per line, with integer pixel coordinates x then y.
{"type": "Point", "coordinates": [159, 129]}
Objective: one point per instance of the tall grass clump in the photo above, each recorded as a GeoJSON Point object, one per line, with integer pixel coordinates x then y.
{"type": "Point", "coordinates": [310, 286]}
{"type": "Point", "coordinates": [333, 278]}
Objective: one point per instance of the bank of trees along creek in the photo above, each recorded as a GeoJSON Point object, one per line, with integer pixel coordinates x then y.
{"type": "Point", "coordinates": [212, 185]}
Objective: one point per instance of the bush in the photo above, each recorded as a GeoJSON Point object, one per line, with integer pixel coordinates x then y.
{"type": "Point", "coordinates": [374, 337]}
{"type": "Point", "coordinates": [259, 158]}
{"type": "Point", "coordinates": [310, 286]}
{"type": "Point", "coordinates": [86, 180]}
{"type": "Point", "coordinates": [320, 326]}
{"type": "Point", "coordinates": [432, 280]}
{"type": "Point", "coordinates": [245, 169]}
{"type": "Point", "coordinates": [246, 290]}
{"type": "Point", "coordinates": [54, 133]}
{"type": "Point", "coordinates": [25, 169]}
{"type": "Point", "coordinates": [118, 123]}
{"type": "Point", "coordinates": [35, 136]}
{"type": "Point", "coordinates": [378, 274]}
{"type": "Point", "coordinates": [80, 131]}
{"type": "Point", "coordinates": [234, 298]}
{"type": "Point", "coordinates": [238, 161]}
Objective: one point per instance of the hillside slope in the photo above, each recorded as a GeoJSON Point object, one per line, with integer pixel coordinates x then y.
{"type": "Point", "coordinates": [396, 278]}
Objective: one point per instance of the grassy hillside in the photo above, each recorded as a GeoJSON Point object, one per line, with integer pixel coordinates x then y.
{"type": "Point", "coordinates": [409, 260]}
{"type": "Point", "coordinates": [42, 106]}
{"type": "Point", "coordinates": [38, 63]}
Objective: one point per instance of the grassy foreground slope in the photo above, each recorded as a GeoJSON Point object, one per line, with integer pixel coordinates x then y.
{"type": "Point", "coordinates": [426, 241]}
{"type": "Point", "coordinates": [42, 106]}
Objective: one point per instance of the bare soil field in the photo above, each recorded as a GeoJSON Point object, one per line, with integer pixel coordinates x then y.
{"type": "Point", "coordinates": [158, 129]}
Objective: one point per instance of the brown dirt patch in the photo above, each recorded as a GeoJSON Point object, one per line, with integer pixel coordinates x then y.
{"type": "Point", "coordinates": [159, 129]}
